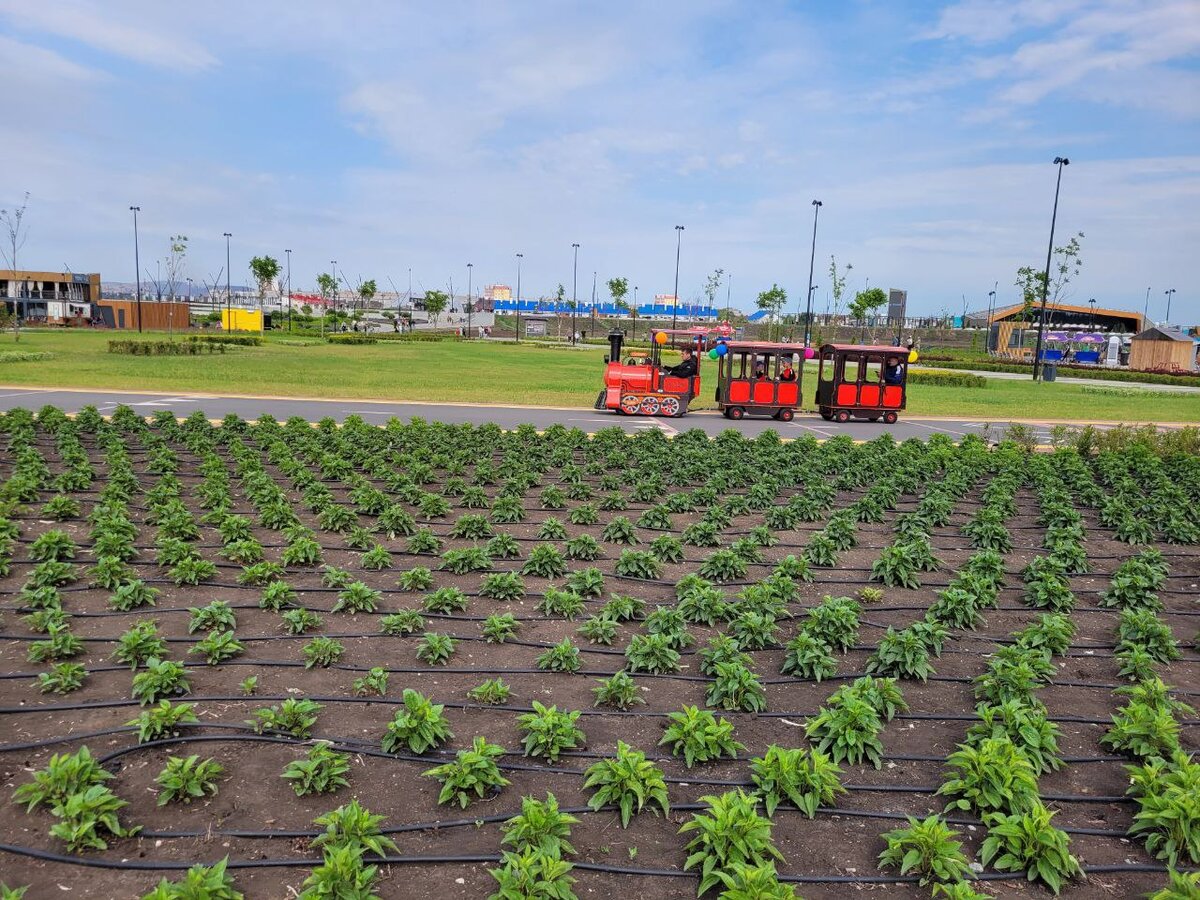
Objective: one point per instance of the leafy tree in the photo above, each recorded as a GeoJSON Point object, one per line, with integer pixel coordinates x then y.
{"type": "Point", "coordinates": [1064, 266]}
{"type": "Point", "coordinates": [711, 285]}
{"type": "Point", "coordinates": [367, 291]}
{"type": "Point", "coordinates": [837, 283]}
{"type": "Point", "coordinates": [435, 304]}
{"type": "Point", "coordinates": [265, 270]}
{"type": "Point", "coordinates": [772, 301]}
{"type": "Point", "coordinates": [15, 236]}
{"type": "Point", "coordinates": [867, 303]}
{"type": "Point", "coordinates": [618, 288]}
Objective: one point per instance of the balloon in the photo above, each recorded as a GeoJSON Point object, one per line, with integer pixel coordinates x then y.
{"type": "Point", "coordinates": [913, 356]}
{"type": "Point", "coordinates": [720, 350]}
{"type": "Point", "coordinates": [809, 353]}
{"type": "Point", "coordinates": [713, 354]}
{"type": "Point", "coordinates": [660, 338]}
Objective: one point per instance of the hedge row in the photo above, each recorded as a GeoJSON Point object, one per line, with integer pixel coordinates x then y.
{"type": "Point", "coordinates": [240, 340]}
{"type": "Point", "coordinates": [947, 379]}
{"type": "Point", "coordinates": [165, 348]}
{"type": "Point", "coordinates": [1077, 371]}
{"type": "Point", "coordinates": [352, 337]}
{"type": "Point", "coordinates": [10, 356]}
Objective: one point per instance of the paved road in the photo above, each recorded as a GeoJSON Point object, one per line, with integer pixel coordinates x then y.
{"type": "Point", "coordinates": [506, 416]}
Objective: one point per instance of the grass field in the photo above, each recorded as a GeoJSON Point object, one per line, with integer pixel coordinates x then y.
{"type": "Point", "coordinates": [494, 373]}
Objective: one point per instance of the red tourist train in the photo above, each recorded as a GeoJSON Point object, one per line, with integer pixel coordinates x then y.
{"type": "Point", "coordinates": [757, 378]}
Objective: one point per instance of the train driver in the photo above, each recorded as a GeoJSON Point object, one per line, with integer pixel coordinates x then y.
{"type": "Point", "coordinates": [893, 371]}
{"type": "Point", "coordinates": [686, 368]}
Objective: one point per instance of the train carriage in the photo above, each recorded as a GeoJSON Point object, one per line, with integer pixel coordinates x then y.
{"type": "Point", "coordinates": [759, 378]}
{"type": "Point", "coordinates": [861, 381]}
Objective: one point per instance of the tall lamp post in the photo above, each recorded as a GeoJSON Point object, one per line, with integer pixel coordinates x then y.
{"type": "Point", "coordinates": [137, 267]}
{"type": "Point", "coordinates": [336, 291]}
{"type": "Point", "coordinates": [1092, 314]}
{"type": "Point", "coordinates": [289, 287]}
{"type": "Point", "coordinates": [593, 304]}
{"type": "Point", "coordinates": [470, 302]}
{"type": "Point", "coordinates": [228, 286]}
{"type": "Point", "coordinates": [1169, 293]}
{"type": "Point", "coordinates": [520, 256]}
{"type": "Point", "coordinates": [1146, 309]}
{"type": "Point", "coordinates": [574, 288]}
{"type": "Point", "coordinates": [678, 246]}
{"type": "Point", "coordinates": [991, 308]}
{"type": "Point", "coordinates": [1059, 161]}
{"type": "Point", "coordinates": [812, 259]}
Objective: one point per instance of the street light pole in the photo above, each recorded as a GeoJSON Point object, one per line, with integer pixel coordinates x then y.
{"type": "Point", "coordinates": [812, 259]}
{"type": "Point", "coordinates": [289, 287]}
{"type": "Point", "coordinates": [574, 287]}
{"type": "Point", "coordinates": [470, 303]}
{"type": "Point", "coordinates": [228, 286]}
{"type": "Point", "coordinates": [678, 246]}
{"type": "Point", "coordinates": [1146, 309]}
{"type": "Point", "coordinates": [520, 256]}
{"type": "Point", "coordinates": [987, 344]}
{"type": "Point", "coordinates": [137, 267]}
{"type": "Point", "coordinates": [728, 295]}
{"type": "Point", "coordinates": [1059, 161]}
{"type": "Point", "coordinates": [1092, 314]}
{"type": "Point", "coordinates": [593, 317]}
{"type": "Point", "coordinates": [1169, 293]}
{"type": "Point", "coordinates": [333, 272]}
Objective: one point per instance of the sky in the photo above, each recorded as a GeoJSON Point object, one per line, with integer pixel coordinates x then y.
{"type": "Point", "coordinates": [393, 136]}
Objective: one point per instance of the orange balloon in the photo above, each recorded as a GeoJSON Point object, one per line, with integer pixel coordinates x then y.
{"type": "Point", "coordinates": [660, 338]}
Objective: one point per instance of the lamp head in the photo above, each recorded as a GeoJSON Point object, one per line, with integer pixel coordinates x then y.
{"type": "Point", "coordinates": [1061, 160]}
{"type": "Point", "coordinates": [817, 203]}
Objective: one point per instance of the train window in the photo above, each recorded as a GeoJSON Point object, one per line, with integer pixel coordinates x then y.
{"type": "Point", "coordinates": [873, 372]}
{"type": "Point", "coordinates": [826, 373]}
{"type": "Point", "coordinates": [851, 369]}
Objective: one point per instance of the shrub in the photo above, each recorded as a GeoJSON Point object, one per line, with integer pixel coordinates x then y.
{"type": "Point", "coordinates": [472, 772]}
{"type": "Point", "coordinates": [993, 775]}
{"type": "Point", "coordinates": [1168, 816]}
{"type": "Point", "coordinates": [540, 826]}
{"type": "Point", "coordinates": [806, 779]}
{"type": "Point", "coordinates": [533, 873]}
{"type": "Point", "coordinates": [294, 716]}
{"type": "Point", "coordinates": [627, 781]}
{"type": "Point", "coordinates": [1028, 841]}
{"type": "Point", "coordinates": [162, 720]}
{"type": "Point", "coordinates": [808, 657]}
{"type": "Point", "coordinates": [187, 778]}
{"type": "Point", "coordinates": [406, 621]}
{"type": "Point", "coordinates": [699, 736]}
{"type": "Point", "coordinates": [87, 818]}
{"type": "Point", "coordinates": [736, 687]}
{"type": "Point", "coordinates": [730, 833]}
{"type": "Point", "coordinates": [548, 731]}
{"type": "Point", "coordinates": [65, 774]}
{"type": "Point", "coordinates": [562, 657]}
{"type": "Point", "coordinates": [162, 678]}
{"type": "Point", "coordinates": [322, 652]}
{"type": "Point", "coordinates": [928, 849]}
{"type": "Point", "coordinates": [493, 691]}
{"type": "Point", "coordinates": [320, 771]}
{"type": "Point", "coordinates": [436, 649]}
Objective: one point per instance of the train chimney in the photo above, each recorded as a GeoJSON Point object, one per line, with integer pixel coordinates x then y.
{"type": "Point", "coordinates": [616, 338]}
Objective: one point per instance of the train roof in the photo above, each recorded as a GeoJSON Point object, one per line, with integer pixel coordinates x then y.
{"type": "Point", "coordinates": [765, 346]}
{"type": "Point", "coordinates": [864, 348]}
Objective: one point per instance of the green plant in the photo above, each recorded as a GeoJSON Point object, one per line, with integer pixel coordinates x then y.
{"type": "Point", "coordinates": [446, 600]}
{"type": "Point", "coordinates": [503, 546]}
{"type": "Point", "coordinates": [723, 566]}
{"type": "Point", "coordinates": [651, 653]}
{"type": "Point", "coordinates": [218, 647]}
{"type": "Point", "coordinates": [1180, 886]}
{"type": "Point", "coordinates": [601, 629]}
{"type": "Point", "coordinates": [498, 628]}
{"type": "Point", "coordinates": [471, 772]}
{"type": "Point", "coordinates": [62, 679]}
{"type": "Point", "coordinates": [353, 827]}
{"type": "Point", "coordinates": [65, 774]}
{"type": "Point", "coordinates": [162, 678]}
{"type": "Point", "coordinates": [298, 621]}
{"type": "Point", "coordinates": [1141, 628]}
{"type": "Point", "coordinates": [87, 818]}
{"type": "Point", "coordinates": [540, 826]}
{"type": "Point", "coordinates": [466, 560]}
{"type": "Point", "coordinates": [200, 882]}
{"type": "Point", "coordinates": [423, 540]}
{"type": "Point", "coordinates": [436, 649]}
{"type": "Point", "coordinates": [1167, 790]}
{"type": "Point", "coordinates": [628, 781]}
{"type": "Point", "coordinates": [192, 571]}
{"type": "Point", "coordinates": [322, 652]}
{"type": "Point", "coordinates": [992, 775]}
{"type": "Point", "coordinates": [502, 586]}
{"type": "Point", "coordinates": [215, 616]}
{"type": "Point", "coordinates": [897, 566]}
{"type": "Point", "coordinates": [548, 731]}
{"type": "Point", "coordinates": [807, 656]}
{"type": "Point", "coordinates": [1143, 730]}
{"type": "Point", "coordinates": [420, 725]}
{"type": "Point", "coordinates": [806, 779]}
{"type": "Point", "coordinates": [1025, 725]}
{"type": "Point", "coordinates": [491, 690]}
{"type": "Point", "coordinates": [406, 621]}
{"type": "Point", "coordinates": [619, 690]}
{"type": "Point", "coordinates": [321, 771]}
{"type": "Point", "coordinates": [131, 595]}
{"type": "Point", "coordinates": [187, 778]}
{"type": "Point", "coordinates": [847, 730]}
{"type": "Point", "coordinates": [545, 561]}
{"type": "Point", "coordinates": [624, 608]}
{"type": "Point", "coordinates": [162, 720]}
{"type": "Point", "coordinates": [928, 849]}
{"type": "Point", "coordinates": [737, 688]}
{"type": "Point", "coordinates": [356, 597]}
{"type": "Point", "coordinates": [729, 833]}
{"type": "Point", "coordinates": [295, 716]}
{"type": "Point", "coordinates": [249, 686]}
{"type": "Point", "coordinates": [835, 622]}
{"type": "Point", "coordinates": [562, 657]}
{"type": "Point", "coordinates": [1028, 841]}
{"type": "Point", "coordinates": [374, 682]}
{"type": "Point", "coordinates": [560, 603]}
{"type": "Point", "coordinates": [533, 875]}
{"type": "Point", "coordinates": [277, 595]}
{"type": "Point", "coordinates": [583, 546]}
{"type": "Point", "coordinates": [140, 643]}
{"type": "Point", "coordinates": [341, 872]}
{"type": "Point", "coordinates": [1051, 632]}
{"type": "Point", "coordinates": [744, 881]}
{"type": "Point", "coordinates": [699, 736]}
{"type": "Point", "coordinates": [900, 654]}
{"type": "Point", "coordinates": [52, 545]}
{"type": "Point", "coordinates": [61, 644]}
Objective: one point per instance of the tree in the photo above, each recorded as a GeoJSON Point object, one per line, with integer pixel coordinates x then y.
{"type": "Point", "coordinates": [711, 285]}
{"type": "Point", "coordinates": [772, 301]}
{"type": "Point", "coordinates": [837, 283]}
{"type": "Point", "coordinates": [265, 270]}
{"type": "Point", "coordinates": [559, 299]}
{"type": "Point", "coordinates": [367, 291]}
{"type": "Point", "coordinates": [618, 288]}
{"type": "Point", "coordinates": [435, 304]}
{"type": "Point", "coordinates": [1064, 266]}
{"type": "Point", "coordinates": [176, 263]}
{"type": "Point", "coordinates": [327, 286]}
{"type": "Point", "coordinates": [15, 236]}
{"type": "Point", "coordinates": [866, 303]}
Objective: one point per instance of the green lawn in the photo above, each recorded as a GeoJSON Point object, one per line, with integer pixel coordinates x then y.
{"type": "Point", "coordinates": [494, 373]}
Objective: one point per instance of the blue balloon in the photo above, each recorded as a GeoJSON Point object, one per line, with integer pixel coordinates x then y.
{"type": "Point", "coordinates": [722, 349]}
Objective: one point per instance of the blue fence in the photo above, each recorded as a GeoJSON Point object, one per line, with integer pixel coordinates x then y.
{"type": "Point", "coordinates": [645, 311]}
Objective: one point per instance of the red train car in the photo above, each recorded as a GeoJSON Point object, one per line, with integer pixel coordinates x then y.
{"type": "Point", "coordinates": [866, 382]}
{"type": "Point", "coordinates": [759, 378]}
{"type": "Point", "coordinates": [640, 386]}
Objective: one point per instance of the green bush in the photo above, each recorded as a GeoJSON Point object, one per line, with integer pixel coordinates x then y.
{"type": "Point", "coordinates": [165, 348]}
{"type": "Point", "coordinates": [946, 379]}
{"type": "Point", "coordinates": [233, 340]}
{"type": "Point", "coordinates": [352, 337]}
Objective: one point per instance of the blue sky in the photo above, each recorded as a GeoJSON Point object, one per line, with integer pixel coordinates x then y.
{"type": "Point", "coordinates": [394, 135]}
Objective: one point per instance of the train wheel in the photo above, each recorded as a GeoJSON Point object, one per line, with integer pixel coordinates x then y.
{"type": "Point", "coordinates": [827, 416]}
{"type": "Point", "coordinates": [872, 418]}
{"type": "Point", "coordinates": [890, 418]}
{"type": "Point", "coordinates": [630, 404]}
{"type": "Point", "coordinates": [737, 412]}
{"type": "Point", "coordinates": [649, 406]}
{"type": "Point", "coordinates": [841, 416]}
{"type": "Point", "coordinates": [669, 407]}
{"type": "Point", "coordinates": [786, 414]}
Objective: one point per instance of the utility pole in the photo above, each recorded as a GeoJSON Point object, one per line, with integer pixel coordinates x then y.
{"type": "Point", "coordinates": [289, 287]}
{"type": "Point", "coordinates": [520, 256]}
{"type": "Point", "coordinates": [1059, 161]}
{"type": "Point", "coordinates": [678, 245]}
{"type": "Point", "coordinates": [574, 291]}
{"type": "Point", "coordinates": [812, 259]}
{"type": "Point", "coordinates": [470, 303]}
{"type": "Point", "coordinates": [228, 287]}
{"type": "Point", "coordinates": [137, 267]}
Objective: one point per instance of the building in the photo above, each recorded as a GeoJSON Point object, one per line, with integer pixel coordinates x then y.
{"type": "Point", "coordinates": [57, 298]}
{"type": "Point", "coordinates": [1162, 348]}
{"type": "Point", "coordinates": [494, 292]}
{"type": "Point", "coordinates": [1068, 315]}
